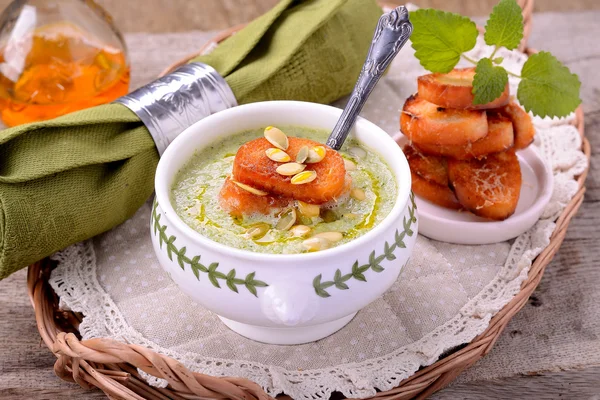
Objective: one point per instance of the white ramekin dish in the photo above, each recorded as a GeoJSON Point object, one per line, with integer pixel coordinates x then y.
{"type": "Point", "coordinates": [275, 298]}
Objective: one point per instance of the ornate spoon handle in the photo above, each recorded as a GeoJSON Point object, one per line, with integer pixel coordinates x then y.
{"type": "Point", "coordinates": [393, 30]}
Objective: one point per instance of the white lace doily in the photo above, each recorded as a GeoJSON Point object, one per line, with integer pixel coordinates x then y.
{"type": "Point", "coordinates": [445, 297]}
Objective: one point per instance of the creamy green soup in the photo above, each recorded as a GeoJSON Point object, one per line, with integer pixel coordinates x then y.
{"type": "Point", "coordinates": [195, 196]}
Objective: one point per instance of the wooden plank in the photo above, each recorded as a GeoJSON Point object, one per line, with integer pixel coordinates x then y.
{"type": "Point", "coordinates": [563, 385]}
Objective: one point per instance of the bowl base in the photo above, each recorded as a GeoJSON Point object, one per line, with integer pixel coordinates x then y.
{"type": "Point", "coordinates": [288, 335]}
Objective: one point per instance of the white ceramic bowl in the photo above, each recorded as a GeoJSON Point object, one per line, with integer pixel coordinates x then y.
{"type": "Point", "coordinates": [275, 298]}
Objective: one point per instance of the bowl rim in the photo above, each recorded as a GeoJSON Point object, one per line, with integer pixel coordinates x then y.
{"type": "Point", "coordinates": [162, 192]}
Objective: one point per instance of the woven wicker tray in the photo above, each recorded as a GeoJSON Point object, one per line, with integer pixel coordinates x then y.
{"type": "Point", "coordinates": [113, 366]}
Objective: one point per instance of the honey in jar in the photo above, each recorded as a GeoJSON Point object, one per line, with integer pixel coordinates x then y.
{"type": "Point", "coordinates": [58, 66]}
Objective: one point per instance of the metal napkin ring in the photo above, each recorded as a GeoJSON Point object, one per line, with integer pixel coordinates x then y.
{"type": "Point", "coordinates": [174, 102]}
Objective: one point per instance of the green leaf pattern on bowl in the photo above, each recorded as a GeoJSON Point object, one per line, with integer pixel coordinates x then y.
{"type": "Point", "coordinates": [374, 263]}
{"type": "Point", "coordinates": [250, 283]}
{"type": "Point", "coordinates": [214, 276]}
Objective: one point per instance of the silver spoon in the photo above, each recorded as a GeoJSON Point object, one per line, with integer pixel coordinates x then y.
{"type": "Point", "coordinates": [392, 32]}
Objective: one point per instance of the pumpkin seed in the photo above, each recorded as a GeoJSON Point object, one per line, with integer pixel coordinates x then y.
{"type": "Point", "coordinates": [302, 220]}
{"type": "Point", "coordinates": [277, 155]}
{"type": "Point", "coordinates": [286, 220]}
{"type": "Point", "coordinates": [257, 231]}
{"type": "Point", "coordinates": [331, 236]}
{"type": "Point", "coordinates": [316, 154]}
{"type": "Point", "coordinates": [357, 152]}
{"type": "Point", "coordinates": [304, 177]}
{"type": "Point", "coordinates": [329, 216]}
{"type": "Point", "coordinates": [266, 239]}
{"type": "Point", "coordinates": [350, 166]}
{"type": "Point", "coordinates": [302, 154]}
{"type": "Point", "coordinates": [249, 188]}
{"type": "Point", "coordinates": [276, 137]}
{"type": "Point", "coordinates": [300, 230]}
{"type": "Point", "coordinates": [358, 194]}
{"type": "Point", "coordinates": [291, 168]}
{"type": "Point", "coordinates": [308, 210]}
{"type": "Point", "coordinates": [316, 244]}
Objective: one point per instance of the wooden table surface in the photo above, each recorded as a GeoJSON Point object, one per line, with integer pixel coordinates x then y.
{"type": "Point", "coordinates": [551, 349]}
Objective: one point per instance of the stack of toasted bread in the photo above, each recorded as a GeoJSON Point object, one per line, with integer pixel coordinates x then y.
{"type": "Point", "coordinates": [462, 155]}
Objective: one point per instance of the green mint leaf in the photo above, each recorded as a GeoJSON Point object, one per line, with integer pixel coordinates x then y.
{"type": "Point", "coordinates": [547, 87]}
{"type": "Point", "coordinates": [439, 38]}
{"type": "Point", "coordinates": [489, 81]}
{"type": "Point", "coordinates": [498, 60]}
{"type": "Point", "coordinates": [505, 26]}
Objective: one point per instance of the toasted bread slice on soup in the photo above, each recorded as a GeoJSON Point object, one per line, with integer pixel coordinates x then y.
{"type": "Point", "coordinates": [437, 194]}
{"type": "Point", "coordinates": [427, 123]}
{"type": "Point", "coordinates": [238, 201]}
{"type": "Point", "coordinates": [490, 187]}
{"type": "Point", "coordinates": [522, 124]}
{"type": "Point", "coordinates": [500, 137]}
{"type": "Point", "coordinates": [329, 184]}
{"type": "Point", "coordinates": [455, 90]}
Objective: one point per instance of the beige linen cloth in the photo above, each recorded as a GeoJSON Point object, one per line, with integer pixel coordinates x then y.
{"type": "Point", "coordinates": [444, 298]}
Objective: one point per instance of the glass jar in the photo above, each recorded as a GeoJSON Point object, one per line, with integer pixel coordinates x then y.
{"type": "Point", "coordinates": [58, 56]}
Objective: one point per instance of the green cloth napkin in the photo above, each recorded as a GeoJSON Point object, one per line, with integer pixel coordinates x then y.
{"type": "Point", "coordinates": [73, 177]}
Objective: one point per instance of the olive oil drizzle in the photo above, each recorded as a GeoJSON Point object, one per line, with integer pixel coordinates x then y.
{"type": "Point", "coordinates": [366, 222]}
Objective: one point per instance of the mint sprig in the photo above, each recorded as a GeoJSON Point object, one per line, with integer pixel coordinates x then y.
{"type": "Point", "coordinates": [440, 39]}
